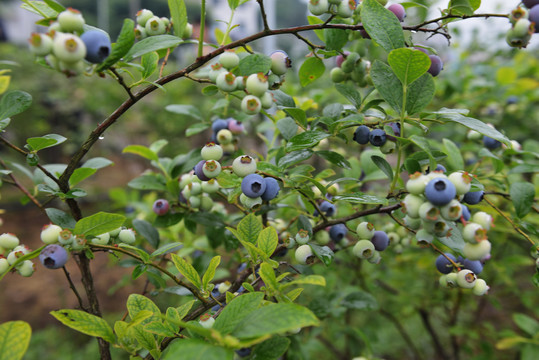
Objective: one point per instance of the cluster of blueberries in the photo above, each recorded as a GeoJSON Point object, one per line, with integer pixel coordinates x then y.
{"type": "Point", "coordinates": [524, 23]}
{"type": "Point", "coordinates": [149, 24]}
{"type": "Point", "coordinates": [378, 137]}
{"type": "Point", "coordinates": [10, 251]}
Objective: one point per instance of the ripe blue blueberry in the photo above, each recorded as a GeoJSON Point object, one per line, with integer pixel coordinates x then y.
{"type": "Point", "coordinates": [199, 170]}
{"type": "Point", "coordinates": [377, 137]}
{"type": "Point", "coordinates": [253, 185]}
{"type": "Point", "coordinates": [243, 352]}
{"type": "Point", "coordinates": [380, 240]}
{"type": "Point", "coordinates": [436, 65]}
{"type": "Point", "coordinates": [219, 124]}
{"type": "Point", "coordinates": [440, 191]}
{"type": "Point", "coordinates": [396, 127]}
{"type": "Point", "coordinates": [491, 143]}
{"type": "Point", "coordinates": [272, 189]}
{"type": "Point", "coordinates": [327, 208]}
{"type": "Point", "coordinates": [443, 265]}
{"type": "Point", "coordinates": [160, 207]}
{"type": "Point", "coordinates": [534, 15]}
{"type": "Point", "coordinates": [97, 45]}
{"type": "Point", "coordinates": [361, 135]}
{"type": "Point", "coordinates": [474, 265]}
{"type": "Point", "coordinates": [337, 232]}
{"type": "Point", "coordinates": [53, 256]}
{"type": "Point", "coordinates": [466, 215]}
{"type": "Point", "coordinates": [473, 197]}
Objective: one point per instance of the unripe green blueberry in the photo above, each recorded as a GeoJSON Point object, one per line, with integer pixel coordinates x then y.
{"type": "Point", "coordinates": [439, 227]}
{"type": "Point", "coordinates": [165, 21]}
{"type": "Point", "coordinates": [466, 279]}
{"type": "Point", "coordinates": [211, 186]}
{"type": "Point", "coordinates": [416, 183]}
{"type": "Point", "coordinates": [412, 223]}
{"type": "Point", "coordinates": [229, 59]}
{"type": "Point", "coordinates": [363, 249]}
{"type": "Point", "coordinates": [318, 7]}
{"type": "Point", "coordinates": [365, 230]}
{"type": "Point", "coordinates": [393, 237]}
{"type": "Point", "coordinates": [257, 84]}
{"type": "Point", "coordinates": [280, 62]}
{"type": "Point", "coordinates": [186, 179]}
{"type": "Point", "coordinates": [206, 203]}
{"type": "Point", "coordinates": [534, 251]}
{"type": "Point", "coordinates": [322, 238]}
{"type": "Point", "coordinates": [302, 237]}
{"type": "Point", "coordinates": [49, 233]}
{"type": "Point", "coordinates": [346, 8]}
{"type": "Point", "coordinates": [79, 243]}
{"type": "Point", "coordinates": [522, 28]}
{"type": "Point", "coordinates": [476, 251]}
{"type": "Point", "coordinates": [267, 100]}
{"type": "Point", "coordinates": [304, 254]}
{"type": "Point", "coordinates": [40, 44]}
{"type": "Point", "coordinates": [429, 212]}
{"type": "Point", "coordinates": [517, 14]}
{"type": "Point", "coordinates": [4, 265]}
{"type": "Point", "coordinates": [480, 288]}
{"type": "Point", "coordinates": [474, 233]}
{"type": "Point", "coordinates": [435, 174]}
{"type": "Point", "coordinates": [375, 258]}
{"type": "Point", "coordinates": [53, 28]}
{"type": "Point", "coordinates": [195, 201]}
{"type": "Point", "coordinates": [452, 211]}
{"type": "Point", "coordinates": [9, 241]}
{"type": "Point", "coordinates": [143, 16]}
{"type": "Point", "coordinates": [473, 135]}
{"type": "Point", "coordinates": [68, 48]}
{"type": "Point", "coordinates": [140, 32]}
{"type": "Point", "coordinates": [16, 253]}
{"type": "Point", "coordinates": [216, 70]}
{"type": "Point", "coordinates": [249, 202]}
{"type": "Point", "coordinates": [349, 64]}
{"type": "Point", "coordinates": [224, 286]}
{"type": "Point", "coordinates": [65, 237]}
{"type": "Point", "coordinates": [337, 75]}
{"type": "Point", "coordinates": [244, 165]}
{"type": "Point", "coordinates": [114, 233]}
{"type": "Point", "coordinates": [155, 26]}
{"type": "Point", "coordinates": [211, 151]}
{"type": "Point", "coordinates": [462, 181]}
{"type": "Point", "coordinates": [102, 239]}
{"type": "Point", "coordinates": [71, 20]}
{"type": "Point", "coordinates": [211, 168]}
{"type": "Point", "coordinates": [514, 40]}
{"type": "Point", "coordinates": [188, 31]}
{"type": "Point", "coordinates": [224, 136]}
{"type": "Point", "coordinates": [127, 236]}
{"type": "Point", "coordinates": [388, 147]}
{"type": "Point", "coordinates": [251, 105]}
{"type": "Point", "coordinates": [195, 188]}
{"type": "Point", "coordinates": [27, 268]}
{"type": "Point", "coordinates": [411, 205]}
{"type": "Point", "coordinates": [240, 82]}
{"type": "Point", "coordinates": [449, 280]}
{"type": "Point", "coordinates": [226, 81]}
{"type": "Point", "coordinates": [483, 219]}
{"type": "Point", "coordinates": [423, 237]}
{"type": "Point", "coordinates": [206, 321]}
{"type": "Point", "coordinates": [72, 68]}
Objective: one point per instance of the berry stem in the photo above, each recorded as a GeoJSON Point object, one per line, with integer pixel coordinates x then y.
{"type": "Point", "coordinates": [72, 286]}
{"type": "Point", "coordinates": [515, 226]}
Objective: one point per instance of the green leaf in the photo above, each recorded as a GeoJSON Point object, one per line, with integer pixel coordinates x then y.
{"type": "Point", "coordinates": [420, 94]}
{"type": "Point", "coordinates": [522, 194]}
{"type": "Point", "coordinates": [137, 303]}
{"type": "Point", "coordinates": [165, 249]}
{"type": "Point", "coordinates": [4, 123]}
{"type": "Point", "coordinates": [147, 231]}
{"type": "Point", "coordinates": [455, 115]}
{"type": "Point", "coordinates": [98, 224]}
{"type": "Point", "coordinates": [253, 64]}
{"type": "Point", "coordinates": [310, 70]}
{"type": "Point", "coordinates": [144, 338]}
{"type": "Point", "coordinates": [40, 8]}
{"type": "Point", "coordinates": [148, 182]}
{"type": "Point", "coordinates": [189, 110]}
{"type": "Point", "coordinates": [187, 270]}
{"type": "Point", "coordinates": [80, 174]}
{"type": "Point", "coordinates": [423, 144]}
{"type": "Point", "coordinates": [14, 102]}
{"type": "Point", "coordinates": [313, 20]}
{"type": "Point", "coordinates": [271, 349]}
{"type": "Point", "coordinates": [454, 157]}
{"type": "Point", "coordinates": [382, 25]}
{"type": "Point", "coordinates": [124, 42]}
{"type": "Point", "coordinates": [268, 240]}
{"type": "Point", "coordinates": [335, 39]}
{"type": "Point", "coordinates": [193, 349]}
{"type": "Point", "coordinates": [288, 127]}
{"type": "Point", "coordinates": [55, 5]}
{"type": "Point", "coordinates": [297, 114]}
{"type": "Point", "coordinates": [387, 84]}
{"type": "Point", "coordinates": [282, 99]}
{"type": "Point", "coordinates": [303, 223]}
{"type": "Point", "coordinates": [249, 228]}
{"type": "Point", "coordinates": [408, 64]}
{"type": "Point", "coordinates": [14, 339]}
{"type": "Point", "coordinates": [149, 64]}
{"type": "Point", "coordinates": [152, 43]}
{"type": "Point", "coordinates": [361, 198]}
{"type": "Point", "coordinates": [210, 272]}
{"type": "Point", "coordinates": [38, 143]}
{"type": "Point", "coordinates": [350, 93]}
{"type": "Point", "coordinates": [85, 323]}
{"type": "Point", "coordinates": [236, 311]}
{"type": "Point", "coordinates": [185, 308]}
{"type": "Point", "coordinates": [196, 128]}
{"type": "Point", "coordinates": [461, 7]}
{"type": "Point", "coordinates": [210, 90]}
{"type": "Point", "coordinates": [360, 300]}
{"type": "Point", "coordinates": [383, 165]}
{"type": "Point", "coordinates": [274, 319]}
{"type": "Point", "coordinates": [308, 280]}
{"type": "Point", "coordinates": [267, 274]}
{"type": "Point", "coordinates": [178, 15]}
{"type": "Point", "coordinates": [60, 218]}
{"type": "Point", "coordinates": [158, 328]}
{"type": "Point", "coordinates": [233, 4]}
{"type": "Point", "coordinates": [305, 140]}
{"type": "Point", "coordinates": [294, 157]}
{"type": "Point", "coordinates": [141, 151]}
{"type": "Point", "coordinates": [527, 324]}
{"type": "Point", "coordinates": [455, 241]}
{"type": "Point", "coordinates": [334, 158]}
{"type": "Point", "coordinates": [97, 163]}
{"type": "Point", "coordinates": [324, 253]}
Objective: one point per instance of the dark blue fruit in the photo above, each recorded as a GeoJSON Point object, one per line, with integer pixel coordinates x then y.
{"type": "Point", "coordinates": [253, 185]}
{"type": "Point", "coordinates": [243, 352]}
{"type": "Point", "coordinates": [199, 172]}
{"type": "Point", "coordinates": [466, 215]}
{"type": "Point", "coordinates": [512, 99]}
{"type": "Point", "coordinates": [377, 137]}
{"type": "Point", "coordinates": [436, 65]}
{"type": "Point", "coordinates": [97, 45]}
{"type": "Point", "coordinates": [327, 208]}
{"type": "Point", "coordinates": [473, 265]}
{"type": "Point", "coordinates": [272, 189]}
{"type": "Point", "coordinates": [473, 197]}
{"type": "Point", "coordinates": [440, 191]}
{"type": "Point", "coordinates": [396, 127]}
{"type": "Point", "coordinates": [443, 265]}
{"type": "Point", "coordinates": [338, 232]}
{"type": "Point", "coordinates": [218, 125]}
{"type": "Point", "coordinates": [361, 135]}
{"type": "Point", "coordinates": [491, 143]}
{"type": "Point", "coordinates": [380, 240]}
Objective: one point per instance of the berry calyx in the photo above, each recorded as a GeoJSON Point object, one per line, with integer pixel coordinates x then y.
{"type": "Point", "coordinates": [68, 48]}
{"type": "Point", "coordinates": [211, 169]}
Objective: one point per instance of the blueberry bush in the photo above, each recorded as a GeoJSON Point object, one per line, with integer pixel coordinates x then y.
{"type": "Point", "coordinates": [325, 188]}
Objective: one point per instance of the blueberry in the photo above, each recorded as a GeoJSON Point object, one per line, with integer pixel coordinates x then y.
{"type": "Point", "coordinates": [337, 232]}
{"type": "Point", "coordinates": [440, 191]}
{"type": "Point", "coordinates": [327, 208]}
{"type": "Point", "coordinates": [512, 99]}
{"type": "Point", "coordinates": [160, 207]}
{"type": "Point", "coordinates": [97, 45]}
{"type": "Point", "coordinates": [466, 212]}
{"type": "Point", "coordinates": [377, 137]}
{"type": "Point", "coordinates": [396, 127]}
{"type": "Point", "coordinates": [53, 256]}
{"type": "Point", "coordinates": [473, 197]}
{"type": "Point", "coordinates": [398, 10]}
{"type": "Point", "coordinates": [441, 168]}
{"type": "Point", "coordinates": [218, 125]}
{"type": "Point", "coordinates": [443, 265]}
{"type": "Point", "coordinates": [242, 267]}
{"type": "Point", "coordinates": [491, 143]}
{"type": "Point", "coordinates": [199, 170]}
{"type": "Point", "coordinates": [473, 265]}
{"type": "Point", "coordinates": [361, 135]}
{"type": "Point", "coordinates": [534, 15]}
{"type": "Point", "coordinates": [380, 240]}
{"type": "Point", "coordinates": [243, 352]}
{"type": "Point", "coordinates": [272, 189]}
{"type": "Point", "coordinates": [436, 65]}
{"type": "Point", "coordinates": [253, 185]}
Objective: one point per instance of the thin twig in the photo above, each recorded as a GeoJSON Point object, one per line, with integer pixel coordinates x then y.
{"type": "Point", "coordinates": [21, 187]}
{"type": "Point", "coordinates": [122, 82]}
{"type": "Point", "coordinates": [263, 14]}
{"type": "Point", "coordinates": [428, 326]}
{"type": "Point", "coordinates": [403, 332]}
{"type": "Point", "coordinates": [72, 286]}
{"type": "Point", "coordinates": [515, 226]}
{"type": "Point", "coordinates": [376, 210]}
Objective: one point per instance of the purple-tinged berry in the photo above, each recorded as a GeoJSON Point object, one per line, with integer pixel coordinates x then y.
{"type": "Point", "coordinates": [363, 249]}
{"type": "Point", "coordinates": [474, 265]}
{"type": "Point", "coordinates": [235, 126]}
{"type": "Point", "coordinates": [436, 65]}
{"type": "Point", "coordinates": [272, 189]}
{"type": "Point", "coordinates": [243, 352]}
{"type": "Point", "coordinates": [53, 256]}
{"type": "Point", "coordinates": [199, 171]}
{"type": "Point", "coordinates": [97, 45]}
{"type": "Point", "coordinates": [377, 137]}
{"type": "Point", "coordinates": [244, 165]}
{"type": "Point", "coordinates": [398, 10]}
{"type": "Point", "coordinates": [466, 215]}
{"type": "Point", "coordinates": [338, 232]}
{"type": "Point", "coordinates": [380, 240]}
{"type": "Point", "coordinates": [440, 191]}
{"type": "Point", "coordinates": [253, 185]}
{"type": "Point", "coordinates": [218, 125]}
{"type": "Point", "coordinates": [473, 197]}
{"type": "Point", "coordinates": [161, 207]}
{"type": "Point", "coordinates": [280, 62]}
{"type": "Point", "coordinates": [362, 135]}
{"type": "Point", "coordinates": [534, 16]}
{"type": "Point", "coordinates": [530, 4]}
{"type": "Point", "coordinates": [396, 127]}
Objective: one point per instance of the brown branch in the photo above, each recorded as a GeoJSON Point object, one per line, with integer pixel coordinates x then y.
{"type": "Point", "coordinates": [337, 353]}
{"type": "Point", "coordinates": [452, 16]}
{"type": "Point", "coordinates": [515, 226]}
{"type": "Point", "coordinates": [263, 14]}
{"type": "Point", "coordinates": [72, 286]}
{"type": "Point", "coordinates": [377, 210]}
{"type": "Point", "coordinates": [428, 326]}
{"type": "Point", "coordinates": [17, 184]}
{"type": "Point", "coordinates": [402, 331]}
{"type": "Point", "coordinates": [122, 82]}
